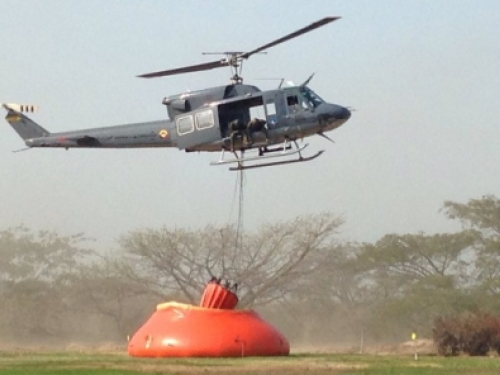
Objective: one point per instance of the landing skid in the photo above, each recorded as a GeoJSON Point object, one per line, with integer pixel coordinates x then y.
{"type": "Point", "coordinates": [299, 160]}
{"type": "Point", "coordinates": [284, 151]}
{"type": "Point", "coordinates": [242, 159]}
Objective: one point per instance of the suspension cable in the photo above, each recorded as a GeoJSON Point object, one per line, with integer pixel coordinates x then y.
{"type": "Point", "coordinates": [239, 222]}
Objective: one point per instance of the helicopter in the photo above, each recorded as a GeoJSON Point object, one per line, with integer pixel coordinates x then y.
{"type": "Point", "coordinates": [236, 118]}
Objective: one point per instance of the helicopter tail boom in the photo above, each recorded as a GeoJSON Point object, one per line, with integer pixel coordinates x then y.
{"type": "Point", "coordinates": [22, 124]}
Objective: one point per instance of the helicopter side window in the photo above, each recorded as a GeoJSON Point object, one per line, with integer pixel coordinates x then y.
{"type": "Point", "coordinates": [185, 125]}
{"type": "Point", "coordinates": [204, 119]}
{"type": "Point", "coordinates": [257, 111]}
{"type": "Point", "coordinates": [271, 111]}
{"type": "Point", "coordinates": [270, 108]}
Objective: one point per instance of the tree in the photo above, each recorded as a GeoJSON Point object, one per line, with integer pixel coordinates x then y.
{"type": "Point", "coordinates": [409, 257]}
{"type": "Point", "coordinates": [34, 271]}
{"type": "Point", "coordinates": [483, 215]}
{"type": "Point", "coordinates": [418, 277]}
{"type": "Point", "coordinates": [333, 301]}
{"type": "Point", "coordinates": [102, 290]}
{"type": "Point", "coordinates": [268, 266]}
{"type": "Point", "coordinates": [42, 255]}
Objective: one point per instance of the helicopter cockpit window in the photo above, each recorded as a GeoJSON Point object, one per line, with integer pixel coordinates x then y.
{"type": "Point", "coordinates": [313, 99]}
{"type": "Point", "coordinates": [204, 119]}
{"type": "Point", "coordinates": [292, 100]}
{"type": "Point", "coordinates": [185, 125]}
{"type": "Point", "coordinates": [293, 103]}
{"type": "Point", "coordinates": [297, 102]}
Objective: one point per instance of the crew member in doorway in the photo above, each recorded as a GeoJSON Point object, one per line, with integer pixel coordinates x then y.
{"type": "Point", "coordinates": [256, 125]}
{"type": "Point", "coordinates": [236, 129]}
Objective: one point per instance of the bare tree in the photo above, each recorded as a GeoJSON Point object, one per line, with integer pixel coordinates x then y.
{"type": "Point", "coordinates": [267, 266]}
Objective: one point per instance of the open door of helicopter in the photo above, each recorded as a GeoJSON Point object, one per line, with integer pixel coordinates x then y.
{"type": "Point", "coordinates": [269, 106]}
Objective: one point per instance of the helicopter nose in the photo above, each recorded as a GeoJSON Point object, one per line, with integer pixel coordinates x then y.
{"type": "Point", "coordinates": [341, 113]}
{"type": "Point", "coordinates": [333, 115]}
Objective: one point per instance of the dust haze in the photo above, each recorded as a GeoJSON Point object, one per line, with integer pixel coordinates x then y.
{"type": "Point", "coordinates": [321, 292]}
{"type": "Point", "coordinates": [369, 243]}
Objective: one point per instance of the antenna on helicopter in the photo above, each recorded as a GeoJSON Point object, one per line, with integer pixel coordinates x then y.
{"type": "Point", "coordinates": [235, 59]}
{"type": "Point", "coordinates": [306, 82]}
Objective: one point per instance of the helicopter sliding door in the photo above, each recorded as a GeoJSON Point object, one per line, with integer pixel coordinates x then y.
{"type": "Point", "coordinates": [197, 128]}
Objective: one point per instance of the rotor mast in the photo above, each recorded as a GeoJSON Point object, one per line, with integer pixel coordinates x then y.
{"type": "Point", "coordinates": [234, 63]}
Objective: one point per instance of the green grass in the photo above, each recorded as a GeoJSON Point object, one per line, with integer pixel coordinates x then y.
{"type": "Point", "coordinates": [46, 363]}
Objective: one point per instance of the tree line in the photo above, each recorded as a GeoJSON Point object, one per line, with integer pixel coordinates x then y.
{"type": "Point", "coordinates": [299, 274]}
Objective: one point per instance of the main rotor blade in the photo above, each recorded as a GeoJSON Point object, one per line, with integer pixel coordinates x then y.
{"type": "Point", "coordinates": [187, 69]}
{"type": "Point", "coordinates": [295, 34]}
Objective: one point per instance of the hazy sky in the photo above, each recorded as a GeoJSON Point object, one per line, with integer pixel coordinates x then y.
{"type": "Point", "coordinates": [424, 77]}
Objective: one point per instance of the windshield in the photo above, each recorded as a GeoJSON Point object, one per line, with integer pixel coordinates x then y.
{"type": "Point", "coordinates": [311, 97]}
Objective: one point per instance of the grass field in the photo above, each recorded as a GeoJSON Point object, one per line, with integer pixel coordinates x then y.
{"type": "Point", "coordinates": [24, 362]}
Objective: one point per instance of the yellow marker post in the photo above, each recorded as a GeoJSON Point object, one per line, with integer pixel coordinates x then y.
{"type": "Point", "coordinates": [413, 338]}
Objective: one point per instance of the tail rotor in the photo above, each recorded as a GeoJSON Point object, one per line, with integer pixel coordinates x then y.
{"type": "Point", "coordinates": [24, 108]}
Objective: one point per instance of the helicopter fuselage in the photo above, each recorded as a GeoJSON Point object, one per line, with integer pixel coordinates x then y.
{"type": "Point", "coordinates": [199, 121]}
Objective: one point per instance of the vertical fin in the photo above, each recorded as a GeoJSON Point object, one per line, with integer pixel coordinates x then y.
{"type": "Point", "coordinates": [23, 125]}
